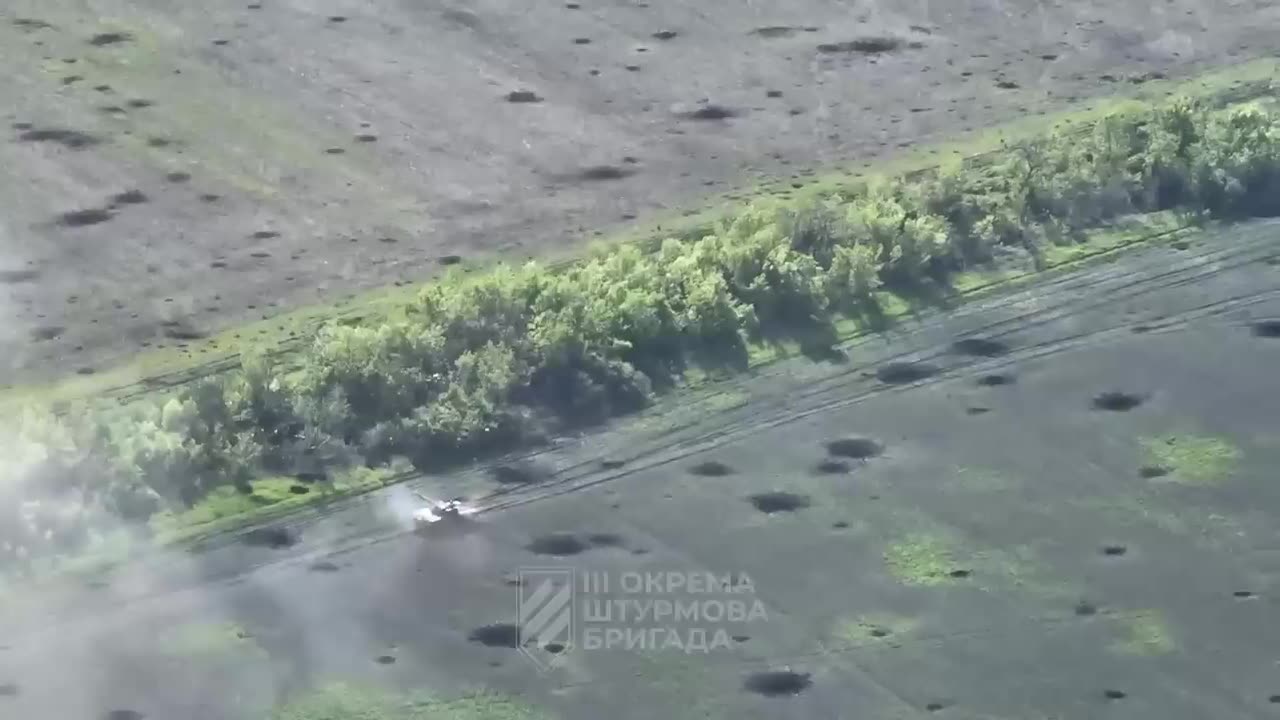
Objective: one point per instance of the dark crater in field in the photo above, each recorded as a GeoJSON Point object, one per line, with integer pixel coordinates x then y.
{"type": "Point", "coordinates": [1267, 329]}
{"type": "Point", "coordinates": [129, 197]}
{"type": "Point", "coordinates": [123, 715]}
{"type": "Point", "coordinates": [1116, 401]}
{"type": "Point", "coordinates": [448, 260]}
{"type": "Point", "coordinates": [558, 544]}
{"type": "Point", "coordinates": [977, 410]}
{"type": "Point", "coordinates": [504, 635]}
{"type": "Point", "coordinates": [905, 373]}
{"type": "Point", "coordinates": [605, 540]}
{"type": "Point", "coordinates": [385, 660]}
{"type": "Point", "coordinates": [597, 173]}
{"type": "Point", "coordinates": [665, 35]}
{"type": "Point", "coordinates": [711, 111]}
{"type": "Point", "coordinates": [83, 218]}
{"type": "Point", "coordinates": [177, 177]}
{"type": "Point", "coordinates": [265, 234]}
{"type": "Point", "coordinates": [979, 347]}
{"type": "Point", "coordinates": [1114, 694]}
{"type": "Point", "coordinates": [711, 468]}
{"type": "Point", "coordinates": [855, 448]}
{"type": "Point", "coordinates": [831, 467]}
{"type": "Point", "coordinates": [73, 139]}
{"type": "Point", "coordinates": [863, 45]}
{"type": "Point", "coordinates": [518, 474]}
{"type": "Point", "coordinates": [31, 24]}
{"type": "Point", "coordinates": [324, 566]}
{"type": "Point", "coordinates": [778, 683]}
{"type": "Point", "coordinates": [9, 690]}
{"type": "Point", "coordinates": [1151, 472]}
{"type": "Point", "coordinates": [523, 96]}
{"type": "Point", "coordinates": [997, 380]}
{"type": "Point", "coordinates": [270, 537]}
{"type": "Point", "coordinates": [13, 277]}
{"type": "Point", "coordinates": [776, 502]}
{"type": "Point", "coordinates": [178, 330]}
{"type": "Point", "coordinates": [47, 332]}
{"type": "Point", "coordinates": [774, 31]}
{"type": "Point", "coordinates": [110, 38]}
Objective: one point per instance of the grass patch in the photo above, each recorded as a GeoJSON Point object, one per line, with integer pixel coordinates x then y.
{"type": "Point", "coordinates": [869, 629]}
{"type": "Point", "coordinates": [227, 506]}
{"type": "Point", "coordinates": [1191, 459]}
{"type": "Point", "coordinates": [350, 702]}
{"type": "Point", "coordinates": [1145, 633]}
{"type": "Point", "coordinates": [921, 560]}
{"type": "Point", "coordinates": [209, 641]}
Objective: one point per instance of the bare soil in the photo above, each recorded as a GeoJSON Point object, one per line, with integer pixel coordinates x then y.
{"type": "Point", "coordinates": [172, 169]}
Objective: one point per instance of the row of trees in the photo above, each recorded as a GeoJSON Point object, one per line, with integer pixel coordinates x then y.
{"type": "Point", "coordinates": [479, 363]}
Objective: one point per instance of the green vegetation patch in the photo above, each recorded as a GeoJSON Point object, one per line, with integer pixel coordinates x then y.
{"type": "Point", "coordinates": [871, 629]}
{"type": "Point", "coordinates": [921, 560]}
{"type": "Point", "coordinates": [1145, 633]}
{"type": "Point", "coordinates": [1190, 459]}
{"type": "Point", "coordinates": [209, 641]}
{"type": "Point", "coordinates": [349, 702]}
{"type": "Point", "coordinates": [227, 505]}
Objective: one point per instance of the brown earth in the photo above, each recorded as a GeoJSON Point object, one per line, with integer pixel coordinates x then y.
{"type": "Point", "coordinates": [175, 168]}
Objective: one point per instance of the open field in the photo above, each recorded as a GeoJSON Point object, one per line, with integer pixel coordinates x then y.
{"type": "Point", "coordinates": [176, 170]}
{"type": "Point", "coordinates": [472, 366]}
{"type": "Point", "coordinates": [1058, 502]}
{"type": "Point", "coordinates": [1054, 501]}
